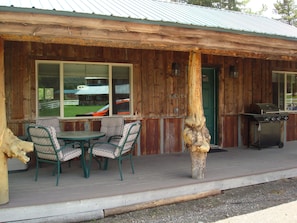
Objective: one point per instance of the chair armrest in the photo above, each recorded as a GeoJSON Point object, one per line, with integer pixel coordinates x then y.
{"type": "Point", "coordinates": [115, 137]}
{"type": "Point", "coordinates": [102, 143]}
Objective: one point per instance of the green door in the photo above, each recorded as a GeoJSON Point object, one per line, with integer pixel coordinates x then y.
{"type": "Point", "coordinates": [209, 94]}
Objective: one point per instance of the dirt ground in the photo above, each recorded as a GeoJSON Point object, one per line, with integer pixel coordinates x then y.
{"type": "Point", "coordinates": [210, 209]}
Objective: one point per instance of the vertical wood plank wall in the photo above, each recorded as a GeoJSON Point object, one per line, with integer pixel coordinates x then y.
{"type": "Point", "coordinates": [154, 131]}
{"type": "Point", "coordinates": [156, 92]}
{"type": "Point", "coordinates": [159, 98]}
{"type": "Point", "coordinates": [236, 94]}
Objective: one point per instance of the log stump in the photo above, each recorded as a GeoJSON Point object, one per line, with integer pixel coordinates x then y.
{"type": "Point", "coordinates": [196, 135]}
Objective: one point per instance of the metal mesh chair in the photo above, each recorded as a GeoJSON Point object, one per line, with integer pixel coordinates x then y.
{"type": "Point", "coordinates": [118, 151]}
{"type": "Point", "coordinates": [48, 149]}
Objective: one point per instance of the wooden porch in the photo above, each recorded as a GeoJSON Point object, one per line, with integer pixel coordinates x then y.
{"type": "Point", "coordinates": [158, 179]}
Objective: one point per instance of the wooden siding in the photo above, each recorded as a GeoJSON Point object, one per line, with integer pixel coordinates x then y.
{"type": "Point", "coordinates": [150, 141]}
{"type": "Point", "coordinates": [172, 136]}
{"type": "Point", "coordinates": [253, 85]}
{"type": "Point", "coordinates": [156, 93]}
{"type": "Point", "coordinates": [292, 127]}
{"type": "Point", "coordinates": [159, 99]}
{"type": "Point", "coordinates": [230, 130]}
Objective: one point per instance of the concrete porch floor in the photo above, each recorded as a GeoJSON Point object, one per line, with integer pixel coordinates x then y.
{"type": "Point", "coordinates": [156, 178]}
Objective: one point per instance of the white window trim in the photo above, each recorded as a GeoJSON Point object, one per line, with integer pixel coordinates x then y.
{"type": "Point", "coordinates": [61, 64]}
{"type": "Point", "coordinates": [286, 73]}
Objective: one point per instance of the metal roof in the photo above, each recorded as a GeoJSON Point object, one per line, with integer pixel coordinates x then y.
{"type": "Point", "coordinates": [158, 12]}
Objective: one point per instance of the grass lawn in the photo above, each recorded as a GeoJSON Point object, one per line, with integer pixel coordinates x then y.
{"type": "Point", "coordinates": [69, 110]}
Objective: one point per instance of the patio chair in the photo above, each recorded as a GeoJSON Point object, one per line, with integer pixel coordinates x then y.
{"type": "Point", "coordinates": [52, 121]}
{"type": "Point", "coordinates": [118, 151]}
{"type": "Point", "coordinates": [113, 129]}
{"type": "Point", "coordinates": [48, 149]}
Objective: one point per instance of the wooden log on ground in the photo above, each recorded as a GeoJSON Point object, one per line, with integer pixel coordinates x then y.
{"type": "Point", "coordinates": [141, 206]}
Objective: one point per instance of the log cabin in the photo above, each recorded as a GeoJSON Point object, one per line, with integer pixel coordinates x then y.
{"type": "Point", "coordinates": [139, 50]}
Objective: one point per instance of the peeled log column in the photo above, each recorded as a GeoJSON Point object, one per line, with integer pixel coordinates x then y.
{"type": "Point", "coordinates": [196, 134]}
{"type": "Point", "coordinates": [10, 145]}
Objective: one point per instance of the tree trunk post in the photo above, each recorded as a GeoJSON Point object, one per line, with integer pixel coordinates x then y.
{"type": "Point", "coordinates": [10, 145]}
{"type": "Point", "coordinates": [3, 160]}
{"type": "Point", "coordinates": [196, 134]}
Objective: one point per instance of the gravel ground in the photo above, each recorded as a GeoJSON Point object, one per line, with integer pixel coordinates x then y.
{"type": "Point", "coordinates": [210, 209]}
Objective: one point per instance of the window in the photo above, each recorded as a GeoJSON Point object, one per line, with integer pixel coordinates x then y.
{"type": "Point", "coordinates": [70, 89]}
{"type": "Point", "coordinates": [284, 90]}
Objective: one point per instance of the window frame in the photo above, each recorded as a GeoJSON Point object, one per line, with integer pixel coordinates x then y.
{"type": "Point", "coordinates": [285, 88]}
{"type": "Point", "coordinates": [61, 88]}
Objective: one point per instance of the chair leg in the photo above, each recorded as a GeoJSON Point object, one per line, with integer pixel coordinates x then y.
{"type": "Point", "coordinates": [36, 170]}
{"type": "Point", "coordinates": [120, 168]}
{"type": "Point", "coordinates": [132, 164]}
{"type": "Point", "coordinates": [98, 161]}
{"type": "Point", "coordinates": [56, 170]}
{"type": "Point", "coordinates": [58, 173]}
{"type": "Point", "coordinates": [105, 163]}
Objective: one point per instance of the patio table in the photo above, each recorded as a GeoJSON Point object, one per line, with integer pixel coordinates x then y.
{"type": "Point", "coordinates": [82, 137]}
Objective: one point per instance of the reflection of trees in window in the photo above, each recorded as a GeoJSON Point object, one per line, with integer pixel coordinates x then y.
{"type": "Point", "coordinates": [48, 89]}
{"type": "Point", "coordinates": [120, 86]}
{"type": "Point", "coordinates": [284, 90]}
{"type": "Point", "coordinates": [49, 93]}
{"type": "Point", "coordinates": [86, 86]}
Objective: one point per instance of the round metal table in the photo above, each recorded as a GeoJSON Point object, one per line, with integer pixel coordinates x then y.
{"type": "Point", "coordinates": [82, 137]}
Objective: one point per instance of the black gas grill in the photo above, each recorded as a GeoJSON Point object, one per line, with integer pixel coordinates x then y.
{"type": "Point", "coordinates": [265, 125]}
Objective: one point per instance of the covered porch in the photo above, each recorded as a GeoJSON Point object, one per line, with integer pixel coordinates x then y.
{"type": "Point", "coordinates": [159, 98]}
{"type": "Point", "coordinates": [158, 179]}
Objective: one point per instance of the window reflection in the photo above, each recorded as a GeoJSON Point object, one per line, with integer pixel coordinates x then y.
{"type": "Point", "coordinates": [284, 90]}
{"type": "Point", "coordinates": [87, 88]}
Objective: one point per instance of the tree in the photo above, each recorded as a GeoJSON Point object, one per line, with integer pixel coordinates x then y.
{"type": "Point", "coordinates": [220, 4]}
{"type": "Point", "coordinates": [233, 5]}
{"type": "Point", "coordinates": [287, 9]}
{"type": "Point", "coordinates": [264, 8]}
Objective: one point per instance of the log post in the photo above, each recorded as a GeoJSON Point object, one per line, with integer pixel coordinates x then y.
{"type": "Point", "coordinates": [10, 145]}
{"type": "Point", "coordinates": [196, 134]}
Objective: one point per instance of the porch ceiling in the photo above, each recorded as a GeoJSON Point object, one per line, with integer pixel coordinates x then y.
{"type": "Point", "coordinates": [22, 26]}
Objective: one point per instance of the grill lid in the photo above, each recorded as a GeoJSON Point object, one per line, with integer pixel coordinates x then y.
{"type": "Point", "coordinates": [263, 108]}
